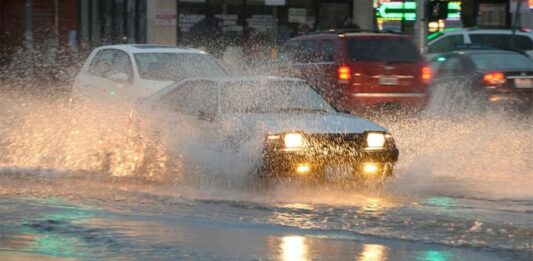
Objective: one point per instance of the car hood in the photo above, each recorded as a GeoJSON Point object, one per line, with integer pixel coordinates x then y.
{"type": "Point", "coordinates": [306, 122]}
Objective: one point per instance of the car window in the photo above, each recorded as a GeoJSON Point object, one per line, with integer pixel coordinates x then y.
{"type": "Point", "coordinates": [102, 63]}
{"type": "Point", "coordinates": [110, 61]}
{"type": "Point", "coordinates": [191, 98]}
{"type": "Point", "coordinates": [175, 100]}
{"type": "Point", "coordinates": [383, 50]}
{"type": "Point", "coordinates": [288, 51]}
{"type": "Point", "coordinates": [122, 63]}
{"type": "Point", "coordinates": [503, 41]}
{"type": "Point", "coordinates": [502, 61]}
{"type": "Point", "coordinates": [203, 98]}
{"type": "Point", "coordinates": [327, 51]}
{"type": "Point", "coordinates": [446, 44]}
{"type": "Point", "coordinates": [177, 66]}
{"type": "Point", "coordinates": [271, 97]}
{"type": "Point", "coordinates": [307, 53]}
{"type": "Point", "coordinates": [451, 67]}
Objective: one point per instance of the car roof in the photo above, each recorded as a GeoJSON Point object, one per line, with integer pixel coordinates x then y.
{"type": "Point", "coordinates": [151, 48]}
{"type": "Point", "coordinates": [334, 33]}
{"type": "Point", "coordinates": [484, 51]}
{"type": "Point", "coordinates": [521, 31]}
{"type": "Point", "coordinates": [439, 35]}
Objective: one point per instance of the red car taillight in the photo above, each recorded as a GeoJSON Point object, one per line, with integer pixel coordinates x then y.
{"type": "Point", "coordinates": [493, 78]}
{"type": "Point", "coordinates": [427, 74]}
{"type": "Point", "coordinates": [344, 73]}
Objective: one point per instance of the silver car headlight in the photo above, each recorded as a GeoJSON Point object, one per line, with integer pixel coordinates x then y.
{"type": "Point", "coordinates": [375, 140]}
{"type": "Point", "coordinates": [293, 140]}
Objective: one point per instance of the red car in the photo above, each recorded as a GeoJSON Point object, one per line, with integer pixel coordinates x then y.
{"type": "Point", "coordinates": [360, 70]}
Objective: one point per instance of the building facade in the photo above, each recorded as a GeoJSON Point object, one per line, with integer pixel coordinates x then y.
{"type": "Point", "coordinates": [49, 28]}
{"type": "Point", "coordinates": [37, 30]}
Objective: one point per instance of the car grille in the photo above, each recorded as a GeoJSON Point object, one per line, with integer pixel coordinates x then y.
{"type": "Point", "coordinates": [335, 143]}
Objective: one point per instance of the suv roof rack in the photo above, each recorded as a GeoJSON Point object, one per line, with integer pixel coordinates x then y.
{"type": "Point", "coordinates": [355, 30]}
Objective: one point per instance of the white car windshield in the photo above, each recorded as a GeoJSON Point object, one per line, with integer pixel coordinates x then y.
{"type": "Point", "coordinates": [177, 66]}
{"type": "Point", "coordinates": [271, 96]}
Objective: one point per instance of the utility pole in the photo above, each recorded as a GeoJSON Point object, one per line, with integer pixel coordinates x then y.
{"type": "Point", "coordinates": [421, 25]}
{"type": "Point", "coordinates": [28, 37]}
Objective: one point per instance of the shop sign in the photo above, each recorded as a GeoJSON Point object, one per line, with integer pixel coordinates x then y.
{"type": "Point", "coordinates": [297, 15]}
{"type": "Point", "coordinates": [275, 2]}
{"type": "Point", "coordinates": [165, 17]}
{"type": "Point", "coordinates": [407, 10]}
{"type": "Point", "coordinates": [492, 14]}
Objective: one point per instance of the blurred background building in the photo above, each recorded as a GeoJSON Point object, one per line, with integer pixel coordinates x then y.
{"type": "Point", "coordinates": [51, 29]}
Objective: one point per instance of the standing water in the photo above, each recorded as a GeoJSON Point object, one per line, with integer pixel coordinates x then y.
{"type": "Point", "coordinates": [74, 185]}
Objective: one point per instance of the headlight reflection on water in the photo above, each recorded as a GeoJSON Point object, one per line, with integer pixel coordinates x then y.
{"type": "Point", "coordinates": [294, 248]}
{"type": "Point", "coordinates": [373, 252]}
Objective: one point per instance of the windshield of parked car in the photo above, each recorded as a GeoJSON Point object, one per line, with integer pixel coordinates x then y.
{"type": "Point", "coordinates": [272, 97]}
{"type": "Point", "coordinates": [177, 66]}
{"type": "Point", "coordinates": [383, 50]}
{"type": "Point", "coordinates": [502, 61]}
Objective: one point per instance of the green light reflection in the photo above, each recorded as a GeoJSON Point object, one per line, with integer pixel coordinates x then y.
{"type": "Point", "coordinates": [435, 255]}
{"type": "Point", "coordinates": [59, 246]}
{"type": "Point", "coordinates": [53, 231]}
{"type": "Point", "coordinates": [440, 201]}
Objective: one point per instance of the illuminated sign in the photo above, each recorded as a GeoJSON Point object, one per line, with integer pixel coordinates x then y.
{"type": "Point", "coordinates": [407, 11]}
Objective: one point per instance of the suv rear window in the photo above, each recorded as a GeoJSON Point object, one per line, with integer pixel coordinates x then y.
{"type": "Point", "coordinates": [383, 50]}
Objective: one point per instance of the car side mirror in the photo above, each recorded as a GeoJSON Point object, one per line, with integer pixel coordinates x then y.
{"type": "Point", "coordinates": [206, 116]}
{"type": "Point", "coordinates": [118, 77]}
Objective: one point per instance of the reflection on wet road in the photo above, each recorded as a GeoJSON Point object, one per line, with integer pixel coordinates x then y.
{"type": "Point", "coordinates": [117, 225]}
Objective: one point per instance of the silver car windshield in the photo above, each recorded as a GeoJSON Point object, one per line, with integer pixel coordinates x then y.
{"type": "Point", "coordinates": [177, 66]}
{"type": "Point", "coordinates": [271, 97]}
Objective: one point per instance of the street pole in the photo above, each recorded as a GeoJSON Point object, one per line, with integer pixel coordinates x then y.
{"type": "Point", "coordinates": [178, 29]}
{"type": "Point", "coordinates": [28, 41]}
{"type": "Point", "coordinates": [421, 25]}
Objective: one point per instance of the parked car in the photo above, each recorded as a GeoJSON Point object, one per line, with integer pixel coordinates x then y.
{"type": "Point", "coordinates": [358, 69]}
{"type": "Point", "coordinates": [294, 131]}
{"type": "Point", "coordinates": [480, 78]}
{"type": "Point", "coordinates": [443, 42]}
{"type": "Point", "coordinates": [128, 72]}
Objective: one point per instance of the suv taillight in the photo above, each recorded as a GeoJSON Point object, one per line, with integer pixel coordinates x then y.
{"type": "Point", "coordinates": [493, 78]}
{"type": "Point", "coordinates": [427, 74]}
{"type": "Point", "coordinates": [344, 73]}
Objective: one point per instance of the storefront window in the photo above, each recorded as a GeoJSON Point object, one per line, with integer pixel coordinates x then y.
{"type": "Point", "coordinates": [256, 27]}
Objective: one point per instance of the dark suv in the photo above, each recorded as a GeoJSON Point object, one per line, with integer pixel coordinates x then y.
{"type": "Point", "coordinates": [357, 70]}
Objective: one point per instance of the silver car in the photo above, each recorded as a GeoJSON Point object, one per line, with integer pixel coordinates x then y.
{"type": "Point", "coordinates": [282, 123]}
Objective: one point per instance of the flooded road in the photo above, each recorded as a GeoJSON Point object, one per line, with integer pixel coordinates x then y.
{"type": "Point", "coordinates": [68, 217]}
{"type": "Point", "coordinates": [462, 191]}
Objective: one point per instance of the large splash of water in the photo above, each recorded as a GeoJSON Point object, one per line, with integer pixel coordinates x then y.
{"type": "Point", "coordinates": [467, 154]}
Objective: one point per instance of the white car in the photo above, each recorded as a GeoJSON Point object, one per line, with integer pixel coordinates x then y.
{"type": "Point", "coordinates": [497, 38]}
{"type": "Point", "coordinates": [128, 72]}
{"type": "Point", "coordinates": [283, 123]}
